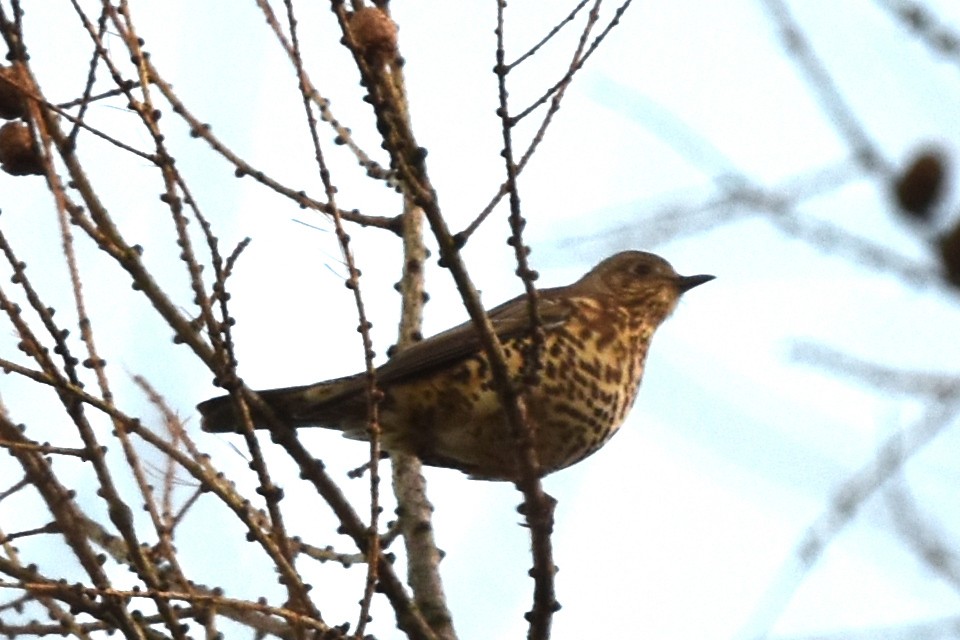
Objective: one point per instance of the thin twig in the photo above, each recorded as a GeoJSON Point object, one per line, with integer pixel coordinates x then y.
{"type": "Point", "coordinates": [556, 95]}
{"type": "Point", "coordinates": [372, 548]}
{"type": "Point", "coordinates": [847, 500]}
{"type": "Point", "coordinates": [821, 82]}
{"type": "Point", "coordinates": [538, 507]}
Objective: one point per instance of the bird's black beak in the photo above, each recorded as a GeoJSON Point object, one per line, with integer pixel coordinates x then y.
{"type": "Point", "coordinates": [685, 283]}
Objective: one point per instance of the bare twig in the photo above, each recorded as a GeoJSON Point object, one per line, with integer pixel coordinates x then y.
{"type": "Point", "coordinates": [821, 82]}
{"type": "Point", "coordinates": [555, 95]}
{"type": "Point", "coordinates": [855, 491]}
{"type": "Point", "coordinates": [372, 548]}
{"type": "Point", "coordinates": [537, 506]}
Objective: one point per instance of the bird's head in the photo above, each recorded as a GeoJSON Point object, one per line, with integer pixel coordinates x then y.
{"type": "Point", "coordinates": [640, 280]}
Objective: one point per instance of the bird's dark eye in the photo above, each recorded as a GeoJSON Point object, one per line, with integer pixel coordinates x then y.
{"type": "Point", "coordinates": [641, 269]}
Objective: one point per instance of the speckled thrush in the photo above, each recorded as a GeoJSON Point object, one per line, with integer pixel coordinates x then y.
{"type": "Point", "coordinates": [439, 399]}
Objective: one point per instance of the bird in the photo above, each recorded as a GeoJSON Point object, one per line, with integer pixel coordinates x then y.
{"type": "Point", "coordinates": [440, 403]}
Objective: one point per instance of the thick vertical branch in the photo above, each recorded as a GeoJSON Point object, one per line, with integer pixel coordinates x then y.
{"type": "Point", "coordinates": [368, 36]}
{"type": "Point", "coordinates": [414, 509]}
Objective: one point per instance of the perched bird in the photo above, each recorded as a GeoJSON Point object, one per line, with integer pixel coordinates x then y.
{"type": "Point", "coordinates": [440, 402]}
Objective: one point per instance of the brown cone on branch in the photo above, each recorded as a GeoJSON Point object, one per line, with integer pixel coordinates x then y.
{"type": "Point", "coordinates": [919, 188]}
{"type": "Point", "coordinates": [949, 246]}
{"type": "Point", "coordinates": [12, 104]}
{"type": "Point", "coordinates": [375, 33]}
{"type": "Point", "coordinates": [18, 155]}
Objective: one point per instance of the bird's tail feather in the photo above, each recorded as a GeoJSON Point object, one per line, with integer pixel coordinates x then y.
{"type": "Point", "coordinates": [327, 404]}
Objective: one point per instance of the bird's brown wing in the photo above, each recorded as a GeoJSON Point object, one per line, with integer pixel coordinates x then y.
{"type": "Point", "coordinates": [510, 320]}
{"type": "Point", "coordinates": [329, 401]}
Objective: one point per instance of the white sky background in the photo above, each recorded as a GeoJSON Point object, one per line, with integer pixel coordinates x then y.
{"type": "Point", "coordinates": [686, 525]}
